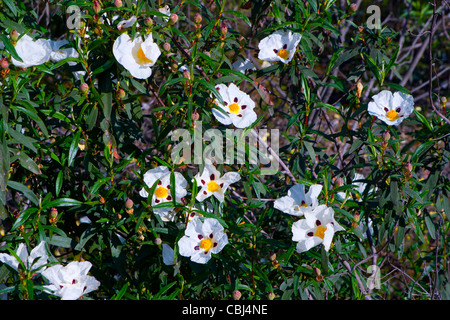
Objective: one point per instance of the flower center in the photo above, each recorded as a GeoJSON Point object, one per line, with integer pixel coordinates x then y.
{"type": "Point", "coordinates": [213, 186]}
{"type": "Point", "coordinates": [161, 192]}
{"type": "Point", "coordinates": [206, 244]}
{"type": "Point", "coordinates": [392, 115]}
{"type": "Point", "coordinates": [283, 53]}
{"type": "Point", "coordinates": [142, 59]}
{"type": "Point", "coordinates": [234, 107]}
{"type": "Point", "coordinates": [320, 232]}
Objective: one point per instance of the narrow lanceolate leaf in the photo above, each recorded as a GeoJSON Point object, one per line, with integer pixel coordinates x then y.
{"type": "Point", "coordinates": [28, 163]}
{"type": "Point", "coordinates": [64, 202]}
{"type": "Point", "coordinates": [25, 191]}
{"type": "Point", "coordinates": [74, 148]}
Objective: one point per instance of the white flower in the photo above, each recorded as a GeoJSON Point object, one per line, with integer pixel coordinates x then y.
{"type": "Point", "coordinates": [72, 281]}
{"type": "Point", "coordinates": [243, 66]}
{"type": "Point", "coordinates": [318, 227]}
{"type": "Point", "coordinates": [279, 46]}
{"type": "Point", "coordinates": [137, 56]}
{"type": "Point", "coordinates": [59, 54]}
{"type": "Point", "coordinates": [124, 24]}
{"type": "Point", "coordinates": [297, 202]}
{"type": "Point", "coordinates": [162, 191]}
{"type": "Point", "coordinates": [38, 253]}
{"type": "Point", "coordinates": [211, 183]}
{"type": "Point", "coordinates": [237, 108]}
{"type": "Point", "coordinates": [202, 239]}
{"type": "Point", "coordinates": [32, 52]}
{"type": "Point", "coordinates": [360, 187]}
{"type": "Point", "coordinates": [391, 108]}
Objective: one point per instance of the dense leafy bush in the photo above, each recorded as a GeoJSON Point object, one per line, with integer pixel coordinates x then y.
{"type": "Point", "coordinates": [351, 110]}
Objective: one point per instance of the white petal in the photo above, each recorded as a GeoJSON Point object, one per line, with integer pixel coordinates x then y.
{"type": "Point", "coordinates": [286, 204]}
{"type": "Point", "coordinates": [167, 253]}
{"type": "Point", "coordinates": [9, 260]}
{"type": "Point", "coordinates": [186, 246]}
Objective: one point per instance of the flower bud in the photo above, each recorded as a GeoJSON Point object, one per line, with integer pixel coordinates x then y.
{"type": "Point", "coordinates": [121, 93]}
{"type": "Point", "coordinates": [158, 241]}
{"type": "Point", "coordinates": [148, 22]}
{"type": "Point", "coordinates": [118, 3]}
{"type": "Point", "coordinates": [129, 203]}
{"type": "Point", "coordinates": [84, 88]}
{"type": "Point", "coordinates": [223, 28]}
{"type": "Point", "coordinates": [236, 294]}
{"type": "Point", "coordinates": [14, 35]}
{"type": "Point", "coordinates": [339, 182]}
{"type": "Point", "coordinates": [4, 63]}
{"type": "Point", "coordinates": [166, 46]}
{"type": "Point", "coordinates": [386, 135]}
{"type": "Point", "coordinates": [53, 213]}
{"type": "Point", "coordinates": [195, 115]}
{"type": "Point", "coordinates": [97, 7]}
{"type": "Point", "coordinates": [186, 73]}
{"type": "Point", "coordinates": [271, 295]}
{"type": "Point", "coordinates": [353, 7]}
{"type": "Point", "coordinates": [173, 18]}
{"type": "Point", "coordinates": [359, 88]}
{"type": "Point", "coordinates": [198, 18]}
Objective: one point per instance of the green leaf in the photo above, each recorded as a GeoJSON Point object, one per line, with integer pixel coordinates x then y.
{"type": "Point", "coordinates": [10, 47]}
{"type": "Point", "coordinates": [11, 6]}
{"type": "Point", "coordinates": [26, 191]}
{"type": "Point", "coordinates": [59, 181]}
{"type": "Point", "coordinates": [73, 148]}
{"type": "Point", "coordinates": [64, 202]}
{"type": "Point", "coordinates": [23, 217]}
{"type": "Point", "coordinates": [430, 226]}
{"type": "Point", "coordinates": [105, 66]}
{"type": "Point", "coordinates": [28, 163]}
{"type": "Point", "coordinates": [107, 105]}
{"type": "Point", "coordinates": [22, 139]}
{"type": "Point", "coordinates": [240, 15]}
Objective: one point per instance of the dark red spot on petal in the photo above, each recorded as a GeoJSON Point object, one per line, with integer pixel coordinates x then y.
{"type": "Point", "coordinates": [202, 181]}
{"type": "Point", "coordinates": [215, 244]}
{"type": "Point", "coordinates": [200, 237]}
{"type": "Point", "coordinates": [212, 176]}
{"type": "Point", "coordinates": [398, 109]}
{"type": "Point", "coordinates": [211, 235]}
{"type": "Point", "coordinates": [243, 107]}
{"type": "Point", "coordinates": [285, 46]}
{"type": "Point", "coordinates": [169, 198]}
{"type": "Point", "coordinates": [196, 248]}
{"type": "Point", "coordinates": [386, 109]}
{"type": "Point", "coordinates": [318, 223]}
{"type": "Point", "coordinates": [310, 234]}
{"type": "Point", "coordinates": [275, 50]}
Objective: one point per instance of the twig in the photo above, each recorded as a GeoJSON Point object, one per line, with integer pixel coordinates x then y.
{"type": "Point", "coordinates": [282, 164]}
